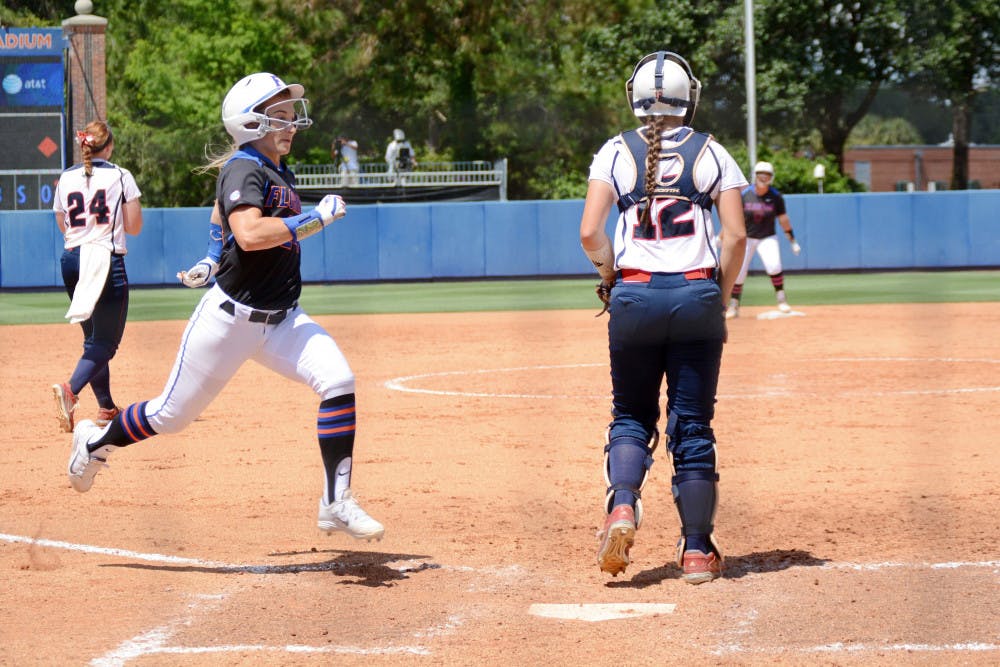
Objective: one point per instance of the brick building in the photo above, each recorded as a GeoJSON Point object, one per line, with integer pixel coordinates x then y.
{"type": "Point", "coordinates": [888, 168]}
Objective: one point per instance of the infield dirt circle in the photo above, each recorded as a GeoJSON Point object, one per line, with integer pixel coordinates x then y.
{"type": "Point", "coordinates": [859, 512]}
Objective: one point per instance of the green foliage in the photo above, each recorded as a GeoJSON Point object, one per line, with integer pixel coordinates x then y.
{"type": "Point", "coordinates": [816, 57]}
{"type": "Point", "coordinates": [168, 75]}
{"type": "Point", "coordinates": [793, 172]}
{"type": "Point", "coordinates": [541, 84]}
{"type": "Point", "coordinates": [876, 131]}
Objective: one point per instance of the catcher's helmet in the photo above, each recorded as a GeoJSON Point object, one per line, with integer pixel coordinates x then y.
{"type": "Point", "coordinates": [662, 85]}
{"type": "Point", "coordinates": [243, 116]}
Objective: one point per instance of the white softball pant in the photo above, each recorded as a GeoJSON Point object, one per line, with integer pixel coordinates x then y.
{"type": "Point", "coordinates": [216, 343]}
{"type": "Point", "coordinates": [770, 255]}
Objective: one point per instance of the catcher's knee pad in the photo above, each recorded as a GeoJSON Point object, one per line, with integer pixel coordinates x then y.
{"type": "Point", "coordinates": [692, 441]}
{"type": "Point", "coordinates": [648, 450]}
{"type": "Point", "coordinates": [696, 496]}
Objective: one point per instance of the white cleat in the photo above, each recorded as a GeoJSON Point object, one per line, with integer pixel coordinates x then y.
{"type": "Point", "coordinates": [732, 311]}
{"type": "Point", "coordinates": [84, 465]}
{"type": "Point", "coordinates": [784, 307]}
{"type": "Point", "coordinates": [347, 516]}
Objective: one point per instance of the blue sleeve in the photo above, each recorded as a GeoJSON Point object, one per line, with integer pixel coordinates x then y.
{"type": "Point", "coordinates": [214, 242]}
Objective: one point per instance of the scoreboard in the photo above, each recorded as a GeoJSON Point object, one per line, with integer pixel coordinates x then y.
{"type": "Point", "coordinates": [32, 116]}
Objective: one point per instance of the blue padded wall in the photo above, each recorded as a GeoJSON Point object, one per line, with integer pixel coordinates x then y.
{"type": "Point", "coordinates": [920, 230]}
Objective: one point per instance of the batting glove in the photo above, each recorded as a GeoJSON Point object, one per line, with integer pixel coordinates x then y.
{"type": "Point", "coordinates": [330, 208]}
{"type": "Point", "coordinates": [796, 248]}
{"type": "Point", "coordinates": [199, 274]}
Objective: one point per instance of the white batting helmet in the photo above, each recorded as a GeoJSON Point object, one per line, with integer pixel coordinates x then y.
{"type": "Point", "coordinates": [763, 168]}
{"type": "Point", "coordinates": [662, 84]}
{"type": "Point", "coordinates": [243, 118]}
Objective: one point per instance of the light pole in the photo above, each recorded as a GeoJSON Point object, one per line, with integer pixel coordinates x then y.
{"type": "Point", "coordinates": [819, 173]}
{"type": "Point", "coordinates": [751, 78]}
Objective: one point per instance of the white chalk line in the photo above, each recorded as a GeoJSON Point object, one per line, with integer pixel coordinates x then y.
{"type": "Point", "coordinates": [401, 383]}
{"type": "Point", "coordinates": [844, 647]}
{"type": "Point", "coordinates": [154, 641]}
{"type": "Point", "coordinates": [412, 565]}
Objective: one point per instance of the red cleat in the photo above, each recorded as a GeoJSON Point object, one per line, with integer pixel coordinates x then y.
{"type": "Point", "coordinates": [616, 539]}
{"type": "Point", "coordinates": [699, 567]}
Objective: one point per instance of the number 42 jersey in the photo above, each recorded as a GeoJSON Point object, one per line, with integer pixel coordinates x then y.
{"type": "Point", "coordinates": [93, 206]}
{"type": "Point", "coordinates": [680, 237]}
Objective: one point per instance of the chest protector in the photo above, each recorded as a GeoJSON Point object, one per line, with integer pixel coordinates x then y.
{"type": "Point", "coordinates": [681, 186]}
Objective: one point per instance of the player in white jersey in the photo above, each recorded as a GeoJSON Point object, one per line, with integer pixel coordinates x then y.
{"type": "Point", "coordinates": [662, 283]}
{"type": "Point", "coordinates": [96, 204]}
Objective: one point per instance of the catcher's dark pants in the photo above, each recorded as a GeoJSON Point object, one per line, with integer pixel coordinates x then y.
{"type": "Point", "coordinates": [103, 332]}
{"type": "Point", "coordinates": [672, 327]}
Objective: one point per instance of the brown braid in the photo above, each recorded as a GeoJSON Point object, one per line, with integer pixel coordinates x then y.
{"type": "Point", "coordinates": [101, 133]}
{"type": "Point", "coordinates": [655, 126]}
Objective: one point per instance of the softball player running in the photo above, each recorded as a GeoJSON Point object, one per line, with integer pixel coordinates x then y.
{"type": "Point", "coordinates": [661, 283]}
{"type": "Point", "coordinates": [762, 204]}
{"type": "Point", "coordinates": [96, 204]}
{"type": "Point", "coordinates": [252, 311]}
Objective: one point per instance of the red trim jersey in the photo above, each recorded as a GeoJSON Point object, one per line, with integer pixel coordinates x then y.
{"type": "Point", "coordinates": [681, 240]}
{"type": "Point", "coordinates": [93, 206]}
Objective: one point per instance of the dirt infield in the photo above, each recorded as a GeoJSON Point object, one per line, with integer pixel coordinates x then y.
{"type": "Point", "coordinates": [860, 503]}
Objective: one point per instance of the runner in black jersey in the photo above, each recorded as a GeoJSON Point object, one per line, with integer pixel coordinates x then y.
{"type": "Point", "coordinates": [252, 311]}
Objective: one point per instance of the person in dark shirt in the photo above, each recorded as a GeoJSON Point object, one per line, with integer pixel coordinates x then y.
{"type": "Point", "coordinates": [252, 310]}
{"type": "Point", "coordinates": [762, 205]}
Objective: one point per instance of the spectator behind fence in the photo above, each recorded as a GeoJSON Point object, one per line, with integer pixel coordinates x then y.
{"type": "Point", "coordinates": [399, 155]}
{"type": "Point", "coordinates": [344, 152]}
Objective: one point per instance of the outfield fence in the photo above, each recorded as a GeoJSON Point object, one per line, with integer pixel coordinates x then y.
{"type": "Point", "coordinates": [420, 241]}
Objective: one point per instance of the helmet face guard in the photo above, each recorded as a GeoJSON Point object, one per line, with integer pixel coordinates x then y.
{"type": "Point", "coordinates": [245, 119]}
{"type": "Point", "coordinates": [642, 107]}
{"type": "Point", "coordinates": [300, 119]}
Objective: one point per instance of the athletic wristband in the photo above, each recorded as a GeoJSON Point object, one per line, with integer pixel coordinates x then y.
{"type": "Point", "coordinates": [214, 243]}
{"type": "Point", "coordinates": [304, 225]}
{"type": "Point", "coordinates": [790, 234]}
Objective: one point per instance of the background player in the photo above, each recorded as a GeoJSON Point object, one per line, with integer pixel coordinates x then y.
{"type": "Point", "coordinates": [96, 204]}
{"type": "Point", "coordinates": [252, 311]}
{"type": "Point", "coordinates": [761, 205]}
{"type": "Point", "coordinates": [666, 309]}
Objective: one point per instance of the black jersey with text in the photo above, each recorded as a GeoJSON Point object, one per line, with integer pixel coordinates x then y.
{"type": "Point", "coordinates": [267, 279]}
{"type": "Point", "coordinates": [760, 211]}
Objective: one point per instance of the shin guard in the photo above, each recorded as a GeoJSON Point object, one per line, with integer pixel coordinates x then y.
{"type": "Point", "coordinates": [696, 496]}
{"type": "Point", "coordinates": [635, 489]}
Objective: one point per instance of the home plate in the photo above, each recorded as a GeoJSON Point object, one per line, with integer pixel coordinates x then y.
{"type": "Point", "coordinates": [600, 611]}
{"type": "Point", "coordinates": [777, 314]}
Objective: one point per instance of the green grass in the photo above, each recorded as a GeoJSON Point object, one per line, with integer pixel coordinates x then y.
{"type": "Point", "coordinates": [172, 303]}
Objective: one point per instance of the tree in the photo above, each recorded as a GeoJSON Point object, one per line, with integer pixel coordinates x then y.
{"type": "Point", "coordinates": [876, 131]}
{"type": "Point", "coordinates": [958, 55]}
{"type": "Point", "coordinates": [812, 57]}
